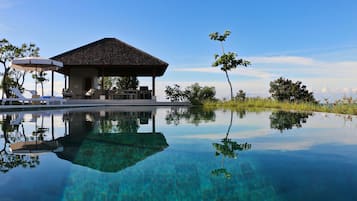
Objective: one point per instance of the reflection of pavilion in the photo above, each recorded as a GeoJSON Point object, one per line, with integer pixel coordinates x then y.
{"type": "Point", "coordinates": [111, 152]}
{"type": "Point", "coordinates": [109, 141]}
{"type": "Point", "coordinates": [105, 140]}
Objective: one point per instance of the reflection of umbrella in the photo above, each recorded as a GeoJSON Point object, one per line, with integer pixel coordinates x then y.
{"type": "Point", "coordinates": [35, 64]}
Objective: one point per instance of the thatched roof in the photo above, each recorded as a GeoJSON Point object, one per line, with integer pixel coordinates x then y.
{"type": "Point", "coordinates": [112, 57]}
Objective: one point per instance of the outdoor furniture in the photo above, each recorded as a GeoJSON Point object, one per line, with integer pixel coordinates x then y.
{"type": "Point", "coordinates": [90, 93]}
{"type": "Point", "coordinates": [130, 94]}
{"type": "Point", "coordinates": [67, 93]}
{"type": "Point", "coordinates": [144, 92]}
{"type": "Point", "coordinates": [22, 99]}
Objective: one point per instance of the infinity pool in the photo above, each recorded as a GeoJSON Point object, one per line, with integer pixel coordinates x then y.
{"type": "Point", "coordinates": [143, 153]}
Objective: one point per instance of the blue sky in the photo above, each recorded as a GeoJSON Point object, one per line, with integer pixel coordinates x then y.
{"type": "Point", "coordinates": [314, 41]}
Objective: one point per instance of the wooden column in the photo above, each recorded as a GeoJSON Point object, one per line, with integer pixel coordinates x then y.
{"type": "Point", "coordinates": [52, 127]}
{"type": "Point", "coordinates": [153, 124]}
{"type": "Point", "coordinates": [153, 85]}
{"type": "Point", "coordinates": [65, 81]}
{"type": "Point", "coordinates": [52, 85]}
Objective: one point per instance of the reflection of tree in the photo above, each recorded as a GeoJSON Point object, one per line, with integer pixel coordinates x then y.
{"type": "Point", "coordinates": [283, 120]}
{"type": "Point", "coordinates": [228, 149]}
{"type": "Point", "coordinates": [241, 113]}
{"type": "Point", "coordinates": [7, 159]}
{"type": "Point", "coordinates": [123, 122]}
{"type": "Point", "coordinates": [40, 132]}
{"type": "Point", "coordinates": [194, 115]}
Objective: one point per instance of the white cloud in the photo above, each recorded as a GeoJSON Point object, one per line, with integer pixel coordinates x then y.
{"type": "Point", "coordinates": [283, 60]}
{"type": "Point", "coordinates": [333, 69]}
{"type": "Point", "coordinates": [324, 90]}
{"type": "Point", "coordinates": [250, 72]}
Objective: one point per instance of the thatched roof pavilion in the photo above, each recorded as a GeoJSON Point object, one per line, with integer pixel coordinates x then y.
{"type": "Point", "coordinates": [110, 57]}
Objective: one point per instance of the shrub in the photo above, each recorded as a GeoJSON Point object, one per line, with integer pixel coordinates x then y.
{"type": "Point", "coordinates": [286, 90]}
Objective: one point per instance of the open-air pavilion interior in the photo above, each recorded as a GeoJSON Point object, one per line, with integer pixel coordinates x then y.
{"type": "Point", "coordinates": [108, 57]}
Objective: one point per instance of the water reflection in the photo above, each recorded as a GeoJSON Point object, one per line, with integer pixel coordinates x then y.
{"type": "Point", "coordinates": [12, 133]}
{"type": "Point", "coordinates": [227, 148]}
{"type": "Point", "coordinates": [105, 140]}
{"type": "Point", "coordinates": [109, 141]}
{"type": "Point", "coordinates": [192, 115]}
{"type": "Point", "coordinates": [283, 120]}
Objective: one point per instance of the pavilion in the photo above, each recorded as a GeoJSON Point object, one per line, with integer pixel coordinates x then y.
{"type": "Point", "coordinates": [105, 58]}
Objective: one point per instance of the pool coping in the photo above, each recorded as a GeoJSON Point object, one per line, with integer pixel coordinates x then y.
{"type": "Point", "coordinates": [92, 103]}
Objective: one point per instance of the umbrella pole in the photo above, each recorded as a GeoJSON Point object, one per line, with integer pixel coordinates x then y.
{"type": "Point", "coordinates": [36, 82]}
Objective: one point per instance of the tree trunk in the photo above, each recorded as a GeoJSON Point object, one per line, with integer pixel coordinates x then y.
{"type": "Point", "coordinates": [230, 84]}
{"type": "Point", "coordinates": [42, 87]}
{"type": "Point", "coordinates": [5, 87]}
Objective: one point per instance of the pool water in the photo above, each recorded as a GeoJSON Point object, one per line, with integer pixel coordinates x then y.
{"type": "Point", "coordinates": [144, 153]}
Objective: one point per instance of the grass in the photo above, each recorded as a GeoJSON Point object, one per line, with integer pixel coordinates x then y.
{"type": "Point", "coordinates": [264, 103]}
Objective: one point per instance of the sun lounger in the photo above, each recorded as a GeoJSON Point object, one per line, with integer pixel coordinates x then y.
{"type": "Point", "coordinates": [22, 99]}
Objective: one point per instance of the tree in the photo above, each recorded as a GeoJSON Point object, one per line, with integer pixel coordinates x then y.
{"type": "Point", "coordinates": [40, 78]}
{"type": "Point", "coordinates": [194, 93]}
{"type": "Point", "coordinates": [128, 82]}
{"type": "Point", "coordinates": [175, 93]}
{"type": "Point", "coordinates": [197, 94]}
{"type": "Point", "coordinates": [8, 52]}
{"type": "Point", "coordinates": [240, 95]}
{"type": "Point", "coordinates": [286, 90]}
{"type": "Point", "coordinates": [226, 61]}
{"type": "Point", "coordinates": [108, 82]}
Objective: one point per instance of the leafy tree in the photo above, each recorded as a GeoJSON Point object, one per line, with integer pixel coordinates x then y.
{"type": "Point", "coordinates": [128, 82]}
{"type": "Point", "coordinates": [8, 52]}
{"type": "Point", "coordinates": [41, 78]}
{"type": "Point", "coordinates": [109, 82]}
{"type": "Point", "coordinates": [240, 95]}
{"type": "Point", "coordinates": [226, 61]}
{"type": "Point", "coordinates": [286, 90]}
{"type": "Point", "coordinates": [197, 94]}
{"type": "Point", "coordinates": [175, 93]}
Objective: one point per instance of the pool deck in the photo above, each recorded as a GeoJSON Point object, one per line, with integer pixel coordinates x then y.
{"type": "Point", "coordinates": [73, 103]}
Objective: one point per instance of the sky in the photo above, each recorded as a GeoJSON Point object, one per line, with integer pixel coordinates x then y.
{"type": "Point", "coordinates": [313, 41]}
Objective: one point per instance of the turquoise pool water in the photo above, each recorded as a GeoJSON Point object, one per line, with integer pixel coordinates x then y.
{"type": "Point", "coordinates": [158, 154]}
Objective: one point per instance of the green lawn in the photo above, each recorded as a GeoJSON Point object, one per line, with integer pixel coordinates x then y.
{"type": "Point", "coordinates": [264, 103]}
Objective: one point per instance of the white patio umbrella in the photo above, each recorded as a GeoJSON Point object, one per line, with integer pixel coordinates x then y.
{"type": "Point", "coordinates": [35, 64]}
